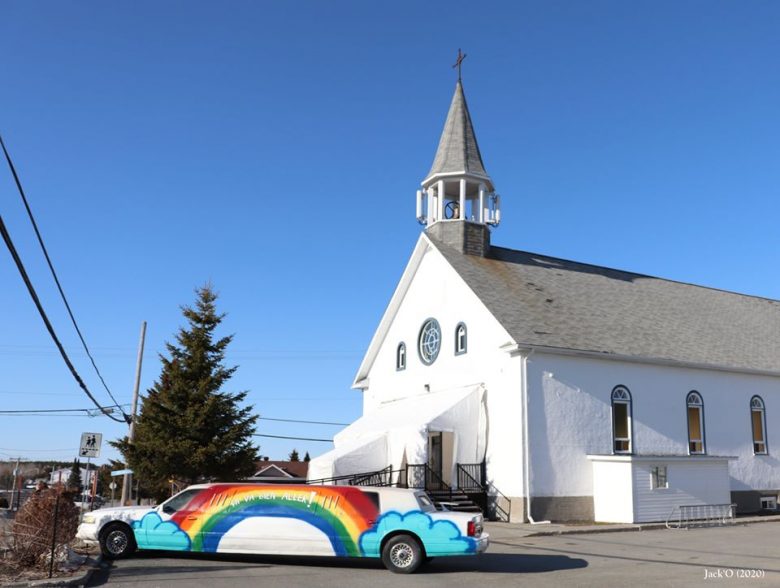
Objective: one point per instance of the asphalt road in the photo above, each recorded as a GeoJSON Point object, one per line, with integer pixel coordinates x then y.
{"type": "Point", "coordinates": [735, 555]}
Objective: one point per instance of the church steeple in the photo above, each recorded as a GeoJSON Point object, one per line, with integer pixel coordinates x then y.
{"type": "Point", "coordinates": [458, 151]}
{"type": "Point", "coordinates": [458, 187]}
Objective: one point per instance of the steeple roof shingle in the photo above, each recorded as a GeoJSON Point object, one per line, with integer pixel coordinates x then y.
{"type": "Point", "coordinates": [458, 151]}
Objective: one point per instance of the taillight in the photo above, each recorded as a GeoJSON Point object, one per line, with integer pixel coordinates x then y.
{"type": "Point", "coordinates": [474, 528]}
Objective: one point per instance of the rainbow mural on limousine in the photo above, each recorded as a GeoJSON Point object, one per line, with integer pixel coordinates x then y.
{"type": "Point", "coordinates": [401, 526]}
{"type": "Point", "coordinates": [348, 516]}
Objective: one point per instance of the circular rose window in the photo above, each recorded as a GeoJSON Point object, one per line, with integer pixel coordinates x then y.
{"type": "Point", "coordinates": [430, 341]}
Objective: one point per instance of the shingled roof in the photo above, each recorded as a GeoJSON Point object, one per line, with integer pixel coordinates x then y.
{"type": "Point", "coordinates": [458, 151]}
{"type": "Point", "coordinates": [547, 302]}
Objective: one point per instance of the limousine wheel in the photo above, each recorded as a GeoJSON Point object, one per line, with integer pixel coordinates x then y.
{"type": "Point", "coordinates": [402, 554]}
{"type": "Point", "coordinates": [117, 541]}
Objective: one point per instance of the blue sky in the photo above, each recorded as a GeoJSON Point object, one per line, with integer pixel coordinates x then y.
{"type": "Point", "coordinates": [274, 148]}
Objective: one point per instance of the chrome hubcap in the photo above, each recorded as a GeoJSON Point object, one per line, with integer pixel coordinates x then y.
{"type": "Point", "coordinates": [401, 555]}
{"type": "Point", "coordinates": [116, 542]}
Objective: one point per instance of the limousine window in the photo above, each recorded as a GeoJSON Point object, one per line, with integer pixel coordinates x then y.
{"type": "Point", "coordinates": [179, 501]}
{"type": "Point", "coordinates": [426, 504]}
{"type": "Point", "coordinates": [373, 497]}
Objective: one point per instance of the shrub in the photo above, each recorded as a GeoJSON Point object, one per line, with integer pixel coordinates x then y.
{"type": "Point", "coordinates": [34, 525]}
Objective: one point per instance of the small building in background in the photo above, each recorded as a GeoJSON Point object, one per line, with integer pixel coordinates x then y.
{"type": "Point", "coordinates": [281, 472]}
{"type": "Point", "coordinates": [61, 476]}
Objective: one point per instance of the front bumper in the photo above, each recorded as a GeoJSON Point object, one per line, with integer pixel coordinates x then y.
{"type": "Point", "coordinates": [87, 532]}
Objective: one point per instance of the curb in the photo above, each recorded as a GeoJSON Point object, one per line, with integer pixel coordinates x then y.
{"type": "Point", "coordinates": [642, 527]}
{"type": "Point", "coordinates": [589, 531]}
{"type": "Point", "coordinates": [91, 564]}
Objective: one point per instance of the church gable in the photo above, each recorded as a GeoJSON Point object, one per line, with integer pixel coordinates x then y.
{"type": "Point", "coordinates": [429, 292]}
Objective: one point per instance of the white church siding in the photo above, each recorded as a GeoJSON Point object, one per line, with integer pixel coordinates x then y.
{"type": "Point", "coordinates": [436, 291]}
{"type": "Point", "coordinates": [695, 482]}
{"type": "Point", "coordinates": [623, 489]}
{"type": "Point", "coordinates": [570, 417]}
{"type": "Point", "coordinates": [613, 492]}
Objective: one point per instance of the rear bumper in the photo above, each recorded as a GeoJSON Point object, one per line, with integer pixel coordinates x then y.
{"type": "Point", "coordinates": [483, 542]}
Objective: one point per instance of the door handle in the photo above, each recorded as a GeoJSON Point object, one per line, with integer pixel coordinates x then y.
{"type": "Point", "coordinates": [192, 518]}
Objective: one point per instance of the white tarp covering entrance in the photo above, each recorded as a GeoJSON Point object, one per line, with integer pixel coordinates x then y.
{"type": "Point", "coordinates": [362, 455]}
{"type": "Point", "coordinates": [397, 433]}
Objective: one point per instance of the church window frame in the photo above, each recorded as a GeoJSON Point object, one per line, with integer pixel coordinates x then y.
{"type": "Point", "coordinates": [622, 421]}
{"type": "Point", "coordinates": [758, 425]}
{"type": "Point", "coordinates": [400, 357]}
{"type": "Point", "coordinates": [694, 413]}
{"type": "Point", "coordinates": [461, 339]}
{"type": "Point", "coordinates": [429, 341]}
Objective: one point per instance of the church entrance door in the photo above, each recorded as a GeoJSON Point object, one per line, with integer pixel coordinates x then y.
{"type": "Point", "coordinates": [435, 458]}
{"type": "Point", "coordinates": [440, 459]}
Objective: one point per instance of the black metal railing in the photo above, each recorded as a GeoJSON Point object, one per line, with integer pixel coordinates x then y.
{"type": "Point", "coordinates": [379, 478]}
{"type": "Point", "coordinates": [421, 476]}
{"type": "Point", "coordinates": [499, 506]}
{"type": "Point", "coordinates": [471, 477]}
{"type": "Point", "coordinates": [346, 480]}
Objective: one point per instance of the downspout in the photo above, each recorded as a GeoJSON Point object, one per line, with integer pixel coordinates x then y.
{"type": "Point", "coordinates": [526, 447]}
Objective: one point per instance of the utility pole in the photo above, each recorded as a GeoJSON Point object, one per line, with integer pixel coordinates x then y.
{"type": "Point", "coordinates": [128, 478]}
{"type": "Point", "coordinates": [14, 489]}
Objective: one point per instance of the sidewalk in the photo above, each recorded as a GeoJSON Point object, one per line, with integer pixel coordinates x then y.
{"type": "Point", "coordinates": [519, 530]}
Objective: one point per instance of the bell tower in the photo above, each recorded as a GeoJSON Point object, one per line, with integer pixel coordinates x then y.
{"type": "Point", "coordinates": [458, 188]}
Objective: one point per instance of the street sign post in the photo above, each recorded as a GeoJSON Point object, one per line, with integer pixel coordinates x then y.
{"type": "Point", "coordinates": [89, 447]}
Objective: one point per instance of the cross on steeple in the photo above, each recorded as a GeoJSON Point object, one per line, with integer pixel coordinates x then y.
{"type": "Point", "coordinates": [461, 57]}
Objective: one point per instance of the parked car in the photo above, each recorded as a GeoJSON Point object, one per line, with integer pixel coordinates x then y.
{"type": "Point", "coordinates": [87, 502]}
{"type": "Point", "coordinates": [400, 526]}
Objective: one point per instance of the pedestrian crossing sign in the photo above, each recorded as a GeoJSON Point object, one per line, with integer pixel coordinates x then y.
{"type": "Point", "coordinates": [90, 444]}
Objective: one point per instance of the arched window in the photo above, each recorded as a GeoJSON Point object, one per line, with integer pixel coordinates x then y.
{"type": "Point", "coordinates": [400, 357]}
{"type": "Point", "coordinates": [461, 339]}
{"type": "Point", "coordinates": [695, 410]}
{"type": "Point", "coordinates": [621, 420]}
{"type": "Point", "coordinates": [758, 422]}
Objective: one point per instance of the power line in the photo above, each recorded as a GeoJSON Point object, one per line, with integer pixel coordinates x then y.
{"type": "Point", "coordinates": [54, 273]}
{"type": "Point", "coordinates": [56, 415]}
{"type": "Point", "coordinates": [54, 412]}
{"type": "Point", "coordinates": [295, 438]}
{"type": "Point", "coordinates": [305, 422]}
{"type": "Point", "coordinates": [40, 450]}
{"type": "Point", "coordinates": [45, 410]}
{"type": "Point", "coordinates": [23, 272]}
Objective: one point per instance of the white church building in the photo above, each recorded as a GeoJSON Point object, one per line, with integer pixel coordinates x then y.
{"type": "Point", "coordinates": [568, 391]}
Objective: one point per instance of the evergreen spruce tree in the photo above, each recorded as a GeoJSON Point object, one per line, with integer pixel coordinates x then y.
{"type": "Point", "coordinates": [74, 479]}
{"type": "Point", "coordinates": [189, 429]}
{"type": "Point", "coordinates": [294, 455]}
{"type": "Point", "coordinates": [306, 457]}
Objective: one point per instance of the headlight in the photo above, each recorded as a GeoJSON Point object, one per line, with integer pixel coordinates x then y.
{"type": "Point", "coordinates": [88, 519]}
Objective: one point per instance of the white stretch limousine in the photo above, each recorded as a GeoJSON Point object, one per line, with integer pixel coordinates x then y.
{"type": "Point", "coordinates": [401, 526]}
